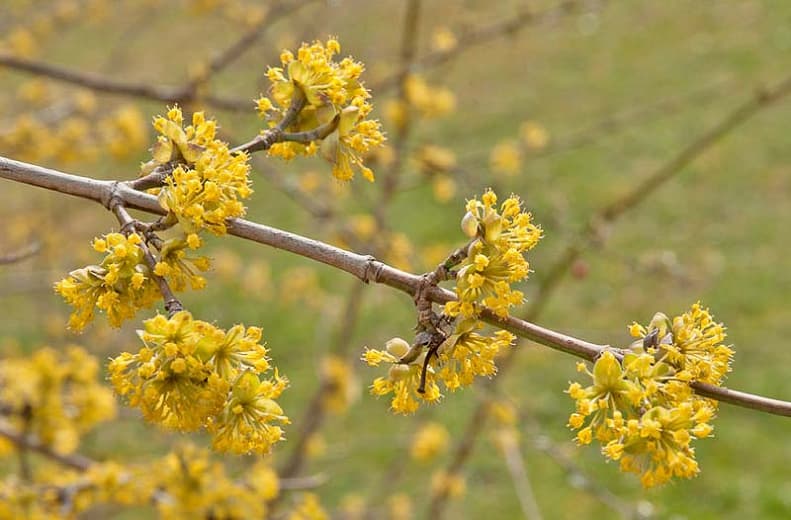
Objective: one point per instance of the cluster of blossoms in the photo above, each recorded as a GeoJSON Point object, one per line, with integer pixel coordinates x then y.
{"type": "Point", "coordinates": [208, 181]}
{"type": "Point", "coordinates": [122, 283]}
{"type": "Point", "coordinates": [191, 374]}
{"type": "Point", "coordinates": [403, 379]}
{"type": "Point", "coordinates": [495, 258]}
{"type": "Point", "coordinates": [54, 396]}
{"type": "Point", "coordinates": [642, 409]}
{"type": "Point", "coordinates": [429, 101]}
{"type": "Point", "coordinates": [333, 96]}
{"type": "Point", "coordinates": [75, 135]}
{"type": "Point", "coordinates": [463, 356]}
{"type": "Point", "coordinates": [492, 261]}
{"type": "Point", "coordinates": [198, 487]}
{"type": "Point", "coordinates": [431, 440]}
{"type": "Point", "coordinates": [185, 483]}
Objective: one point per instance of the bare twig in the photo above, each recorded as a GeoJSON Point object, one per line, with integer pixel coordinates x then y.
{"type": "Point", "coordinates": [172, 304]}
{"type": "Point", "coordinates": [21, 254]}
{"type": "Point", "coordinates": [478, 36]}
{"type": "Point", "coordinates": [236, 50]}
{"type": "Point", "coordinates": [73, 461]}
{"type": "Point", "coordinates": [108, 85]}
{"type": "Point", "coordinates": [514, 461]}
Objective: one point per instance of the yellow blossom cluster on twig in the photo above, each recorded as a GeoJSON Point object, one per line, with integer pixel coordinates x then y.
{"type": "Point", "coordinates": [55, 397]}
{"type": "Point", "coordinates": [192, 374]}
{"type": "Point", "coordinates": [335, 106]}
{"type": "Point", "coordinates": [642, 409]}
{"type": "Point", "coordinates": [495, 258]}
{"type": "Point", "coordinates": [122, 283]}
{"type": "Point", "coordinates": [208, 182]}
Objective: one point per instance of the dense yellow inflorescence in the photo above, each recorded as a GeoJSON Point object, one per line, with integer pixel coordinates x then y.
{"type": "Point", "coordinates": [54, 396]}
{"type": "Point", "coordinates": [119, 286]}
{"type": "Point", "coordinates": [495, 258]}
{"type": "Point", "coordinates": [403, 380]}
{"type": "Point", "coordinates": [642, 409]}
{"type": "Point", "coordinates": [191, 374]}
{"type": "Point", "coordinates": [122, 283]}
{"type": "Point", "coordinates": [208, 182]}
{"type": "Point", "coordinates": [330, 89]}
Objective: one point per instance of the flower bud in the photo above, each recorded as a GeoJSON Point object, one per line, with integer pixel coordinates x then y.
{"type": "Point", "coordinates": [469, 225]}
{"type": "Point", "coordinates": [398, 372]}
{"type": "Point", "coordinates": [397, 347]}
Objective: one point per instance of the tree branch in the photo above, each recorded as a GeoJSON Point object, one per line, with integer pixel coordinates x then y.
{"type": "Point", "coordinates": [364, 267]}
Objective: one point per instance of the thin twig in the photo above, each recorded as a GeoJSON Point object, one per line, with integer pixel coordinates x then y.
{"type": "Point", "coordinates": [23, 253]}
{"type": "Point", "coordinates": [172, 304]}
{"type": "Point", "coordinates": [364, 267]}
{"type": "Point", "coordinates": [478, 36]}
{"type": "Point", "coordinates": [514, 461]}
{"type": "Point", "coordinates": [108, 85]}
{"type": "Point", "coordinates": [237, 49]}
{"type": "Point", "coordinates": [74, 461]}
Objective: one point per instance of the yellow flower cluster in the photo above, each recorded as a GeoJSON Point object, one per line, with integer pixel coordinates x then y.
{"type": "Point", "coordinates": [55, 396]}
{"type": "Point", "coordinates": [185, 483]}
{"type": "Point", "coordinates": [122, 284]}
{"type": "Point", "coordinates": [642, 410]}
{"type": "Point", "coordinates": [495, 257]}
{"type": "Point", "coordinates": [119, 286]}
{"type": "Point", "coordinates": [329, 89]}
{"type": "Point", "coordinates": [427, 100]}
{"type": "Point", "coordinates": [74, 135]}
{"type": "Point", "coordinates": [403, 380]}
{"type": "Point", "coordinates": [208, 181]}
{"type": "Point", "coordinates": [341, 384]}
{"type": "Point", "coordinates": [430, 440]}
{"type": "Point", "coordinates": [197, 487]}
{"type": "Point", "coordinates": [465, 354]}
{"type": "Point", "coordinates": [191, 374]}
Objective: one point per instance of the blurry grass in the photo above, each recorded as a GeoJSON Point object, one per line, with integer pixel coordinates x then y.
{"type": "Point", "coordinates": [724, 219]}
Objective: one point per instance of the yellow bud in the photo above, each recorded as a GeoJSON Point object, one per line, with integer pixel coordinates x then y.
{"type": "Point", "coordinates": [398, 372]}
{"type": "Point", "coordinates": [469, 225]}
{"type": "Point", "coordinates": [246, 387]}
{"type": "Point", "coordinates": [397, 347]}
{"type": "Point", "coordinates": [493, 226]}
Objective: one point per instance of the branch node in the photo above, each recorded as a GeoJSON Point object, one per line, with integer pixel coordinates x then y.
{"type": "Point", "coordinates": [372, 271]}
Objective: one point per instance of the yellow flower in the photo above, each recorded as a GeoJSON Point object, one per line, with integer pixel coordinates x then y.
{"type": "Point", "coordinates": [245, 423]}
{"type": "Point", "coordinates": [207, 185]}
{"type": "Point", "coordinates": [403, 380]}
{"type": "Point", "coordinates": [330, 89]}
{"type": "Point", "coordinates": [495, 259]}
{"type": "Point", "coordinates": [346, 146]}
{"type": "Point", "coordinates": [120, 286]}
{"type": "Point", "coordinates": [191, 374]}
{"type": "Point", "coordinates": [429, 441]}
{"type": "Point", "coordinates": [642, 409]}
{"type": "Point", "coordinates": [55, 396]}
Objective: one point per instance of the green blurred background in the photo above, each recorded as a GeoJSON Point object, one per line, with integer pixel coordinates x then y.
{"type": "Point", "coordinates": [664, 71]}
